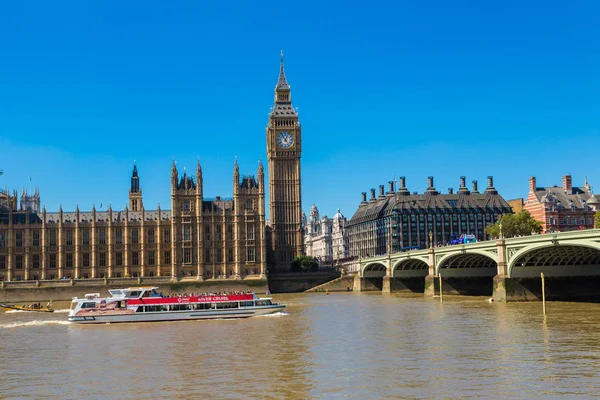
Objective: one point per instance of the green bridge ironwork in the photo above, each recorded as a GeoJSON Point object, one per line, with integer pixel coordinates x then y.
{"type": "Point", "coordinates": [564, 254]}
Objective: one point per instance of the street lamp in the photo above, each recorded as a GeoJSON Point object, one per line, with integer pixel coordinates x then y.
{"type": "Point", "coordinates": [430, 239]}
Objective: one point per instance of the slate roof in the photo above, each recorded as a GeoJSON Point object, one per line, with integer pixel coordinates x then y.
{"type": "Point", "coordinates": [556, 195]}
{"type": "Point", "coordinates": [283, 110]}
{"type": "Point", "coordinates": [425, 203]}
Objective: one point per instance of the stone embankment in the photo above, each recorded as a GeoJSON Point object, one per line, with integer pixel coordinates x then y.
{"type": "Point", "coordinates": [341, 284]}
{"type": "Point", "coordinates": [64, 290]}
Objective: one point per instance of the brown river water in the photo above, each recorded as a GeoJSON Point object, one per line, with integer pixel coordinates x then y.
{"type": "Point", "coordinates": [337, 346]}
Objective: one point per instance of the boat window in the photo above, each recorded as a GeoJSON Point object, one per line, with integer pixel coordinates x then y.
{"type": "Point", "coordinates": [263, 302]}
{"type": "Point", "coordinates": [89, 305]}
{"type": "Point", "coordinates": [133, 294]}
{"type": "Point", "coordinates": [246, 303]}
{"type": "Point", "coordinates": [139, 309]}
{"type": "Point", "coordinates": [226, 305]}
{"type": "Point", "coordinates": [203, 306]}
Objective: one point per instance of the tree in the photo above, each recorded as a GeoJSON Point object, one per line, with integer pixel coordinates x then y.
{"type": "Point", "coordinates": [597, 220]}
{"type": "Point", "coordinates": [521, 224]}
{"type": "Point", "coordinates": [304, 264]}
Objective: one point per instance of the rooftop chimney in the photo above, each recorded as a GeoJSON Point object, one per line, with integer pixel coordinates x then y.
{"type": "Point", "coordinates": [390, 187]}
{"type": "Point", "coordinates": [475, 187]}
{"type": "Point", "coordinates": [490, 187]}
{"type": "Point", "coordinates": [532, 184]}
{"type": "Point", "coordinates": [463, 187]}
{"type": "Point", "coordinates": [403, 190]}
{"type": "Point", "coordinates": [364, 198]}
{"type": "Point", "coordinates": [430, 188]}
{"type": "Point", "coordinates": [450, 191]}
{"type": "Point", "coordinates": [381, 191]}
{"type": "Point", "coordinates": [372, 195]}
{"type": "Point", "coordinates": [568, 184]}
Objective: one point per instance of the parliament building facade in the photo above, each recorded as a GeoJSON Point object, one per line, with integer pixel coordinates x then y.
{"type": "Point", "coordinates": [199, 237]}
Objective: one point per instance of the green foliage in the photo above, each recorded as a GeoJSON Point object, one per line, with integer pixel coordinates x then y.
{"type": "Point", "coordinates": [304, 264]}
{"type": "Point", "coordinates": [521, 224]}
{"type": "Point", "coordinates": [597, 220]}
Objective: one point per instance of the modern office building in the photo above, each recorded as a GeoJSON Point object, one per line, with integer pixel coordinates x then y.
{"type": "Point", "coordinates": [400, 220]}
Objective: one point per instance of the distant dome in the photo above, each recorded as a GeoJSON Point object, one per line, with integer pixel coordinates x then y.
{"type": "Point", "coordinates": [338, 215]}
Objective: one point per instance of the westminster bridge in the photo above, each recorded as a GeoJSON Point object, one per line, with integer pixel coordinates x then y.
{"type": "Point", "coordinates": [506, 269]}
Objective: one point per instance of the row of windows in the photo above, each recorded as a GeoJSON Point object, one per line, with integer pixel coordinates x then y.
{"type": "Point", "coordinates": [85, 236]}
{"type": "Point", "coordinates": [572, 221]}
{"type": "Point", "coordinates": [134, 260]}
{"type": "Point", "coordinates": [69, 239]}
{"type": "Point", "coordinates": [85, 259]}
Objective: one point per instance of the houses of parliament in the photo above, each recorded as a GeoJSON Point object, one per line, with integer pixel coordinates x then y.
{"type": "Point", "coordinates": [199, 237]}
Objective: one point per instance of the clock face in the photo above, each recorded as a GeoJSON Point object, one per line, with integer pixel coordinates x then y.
{"type": "Point", "coordinates": [285, 140]}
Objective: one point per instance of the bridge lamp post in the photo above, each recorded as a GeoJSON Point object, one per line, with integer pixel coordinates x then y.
{"type": "Point", "coordinates": [430, 239]}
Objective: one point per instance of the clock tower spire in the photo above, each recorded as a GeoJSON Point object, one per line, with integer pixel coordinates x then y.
{"type": "Point", "coordinates": [284, 147]}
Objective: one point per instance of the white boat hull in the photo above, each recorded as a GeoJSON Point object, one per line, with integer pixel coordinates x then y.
{"type": "Point", "coordinates": [243, 312]}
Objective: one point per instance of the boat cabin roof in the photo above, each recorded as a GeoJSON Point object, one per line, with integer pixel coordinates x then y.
{"type": "Point", "coordinates": [132, 293]}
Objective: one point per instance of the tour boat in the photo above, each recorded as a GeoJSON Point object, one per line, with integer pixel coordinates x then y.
{"type": "Point", "coordinates": [146, 304]}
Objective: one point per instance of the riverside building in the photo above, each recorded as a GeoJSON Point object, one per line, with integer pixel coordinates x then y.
{"type": "Point", "coordinates": [199, 237]}
{"type": "Point", "coordinates": [562, 208]}
{"type": "Point", "coordinates": [400, 220]}
{"type": "Point", "coordinates": [325, 238]}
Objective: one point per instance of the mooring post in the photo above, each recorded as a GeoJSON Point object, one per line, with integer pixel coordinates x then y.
{"type": "Point", "coordinates": [543, 294]}
{"type": "Point", "coordinates": [441, 291]}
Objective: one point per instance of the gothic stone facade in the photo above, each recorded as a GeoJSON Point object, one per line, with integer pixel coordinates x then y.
{"type": "Point", "coordinates": [199, 237]}
{"type": "Point", "coordinates": [562, 208]}
{"type": "Point", "coordinates": [284, 147]}
{"type": "Point", "coordinates": [396, 221]}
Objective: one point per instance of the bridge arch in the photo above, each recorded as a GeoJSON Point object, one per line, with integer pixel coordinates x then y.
{"type": "Point", "coordinates": [410, 268]}
{"type": "Point", "coordinates": [468, 263]}
{"type": "Point", "coordinates": [375, 269]}
{"type": "Point", "coordinates": [570, 259]}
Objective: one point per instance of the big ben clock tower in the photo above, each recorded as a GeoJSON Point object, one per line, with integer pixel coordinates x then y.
{"type": "Point", "coordinates": [284, 146]}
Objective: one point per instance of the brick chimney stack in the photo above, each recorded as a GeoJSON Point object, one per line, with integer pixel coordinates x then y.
{"type": "Point", "coordinates": [532, 184]}
{"type": "Point", "coordinates": [568, 184]}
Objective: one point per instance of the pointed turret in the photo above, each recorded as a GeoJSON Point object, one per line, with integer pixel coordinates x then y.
{"type": "Point", "coordinates": [135, 180]}
{"type": "Point", "coordinates": [236, 177]}
{"type": "Point", "coordinates": [260, 174]}
{"type": "Point", "coordinates": [282, 82]}
{"type": "Point", "coordinates": [135, 193]}
{"type": "Point", "coordinates": [174, 175]}
{"type": "Point", "coordinates": [282, 90]}
{"type": "Point", "coordinates": [198, 172]}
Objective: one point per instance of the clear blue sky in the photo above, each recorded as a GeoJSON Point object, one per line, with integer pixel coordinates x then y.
{"type": "Point", "coordinates": [509, 89]}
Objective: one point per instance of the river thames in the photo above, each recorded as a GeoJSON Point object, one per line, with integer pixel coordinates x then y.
{"type": "Point", "coordinates": [342, 345]}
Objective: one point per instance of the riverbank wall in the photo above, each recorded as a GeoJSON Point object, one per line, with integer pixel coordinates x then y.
{"type": "Point", "coordinates": [64, 290]}
{"type": "Point", "coordinates": [300, 281]}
